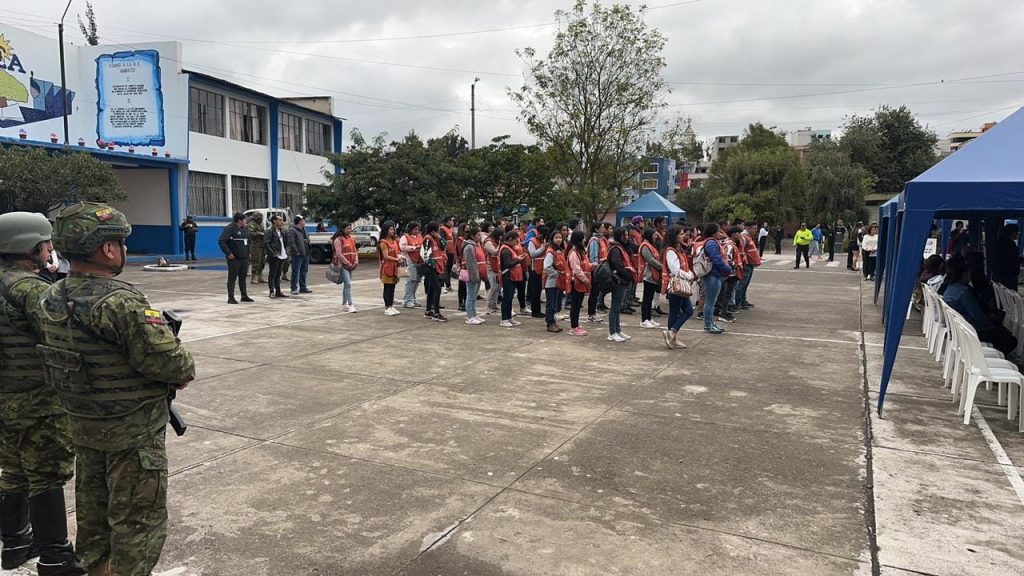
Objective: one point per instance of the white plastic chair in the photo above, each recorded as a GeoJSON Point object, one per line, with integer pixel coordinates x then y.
{"type": "Point", "coordinates": [977, 370]}
{"type": "Point", "coordinates": [954, 372]}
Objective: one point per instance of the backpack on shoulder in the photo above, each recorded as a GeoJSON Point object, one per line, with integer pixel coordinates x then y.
{"type": "Point", "coordinates": [702, 264]}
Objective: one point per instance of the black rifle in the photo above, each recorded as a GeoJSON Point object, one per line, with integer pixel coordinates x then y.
{"type": "Point", "coordinates": [177, 422]}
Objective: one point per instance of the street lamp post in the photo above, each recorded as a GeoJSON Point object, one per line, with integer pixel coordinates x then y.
{"type": "Point", "coordinates": [63, 78]}
{"type": "Point", "coordinates": [472, 112]}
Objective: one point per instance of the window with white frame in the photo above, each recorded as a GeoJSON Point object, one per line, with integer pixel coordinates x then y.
{"type": "Point", "coordinates": [318, 137]}
{"type": "Point", "coordinates": [652, 168]}
{"type": "Point", "coordinates": [650, 184]}
{"type": "Point", "coordinates": [289, 195]}
{"type": "Point", "coordinates": [247, 122]}
{"type": "Point", "coordinates": [248, 193]}
{"type": "Point", "coordinates": [206, 112]}
{"type": "Point", "coordinates": [206, 194]}
{"type": "Point", "coordinates": [291, 132]}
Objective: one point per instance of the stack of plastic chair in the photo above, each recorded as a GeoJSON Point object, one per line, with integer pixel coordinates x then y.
{"type": "Point", "coordinates": [977, 369]}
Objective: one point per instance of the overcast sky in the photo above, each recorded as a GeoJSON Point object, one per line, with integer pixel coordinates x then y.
{"type": "Point", "coordinates": [786, 63]}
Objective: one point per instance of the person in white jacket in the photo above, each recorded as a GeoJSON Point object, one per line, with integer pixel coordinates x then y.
{"type": "Point", "coordinates": [680, 308]}
{"type": "Point", "coordinates": [868, 248]}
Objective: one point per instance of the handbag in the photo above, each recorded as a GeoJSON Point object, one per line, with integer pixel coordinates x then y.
{"type": "Point", "coordinates": [463, 275]}
{"type": "Point", "coordinates": [680, 287]}
{"type": "Point", "coordinates": [403, 271]}
{"type": "Point", "coordinates": [333, 274]}
{"type": "Point", "coordinates": [457, 269]}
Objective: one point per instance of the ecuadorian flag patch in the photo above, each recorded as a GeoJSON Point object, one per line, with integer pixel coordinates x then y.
{"type": "Point", "coordinates": [153, 317]}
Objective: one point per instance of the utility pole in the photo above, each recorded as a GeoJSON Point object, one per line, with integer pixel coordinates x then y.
{"type": "Point", "coordinates": [63, 78]}
{"type": "Point", "coordinates": [472, 113]}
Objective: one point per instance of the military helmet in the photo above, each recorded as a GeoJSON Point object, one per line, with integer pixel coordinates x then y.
{"type": "Point", "coordinates": [81, 228]}
{"type": "Point", "coordinates": [255, 217]}
{"type": "Point", "coordinates": [21, 232]}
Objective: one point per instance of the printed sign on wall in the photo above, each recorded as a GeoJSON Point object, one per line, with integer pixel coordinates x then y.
{"type": "Point", "coordinates": [130, 107]}
{"type": "Point", "coordinates": [26, 98]}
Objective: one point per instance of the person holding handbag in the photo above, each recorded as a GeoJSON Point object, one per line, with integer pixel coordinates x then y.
{"type": "Point", "coordinates": [579, 287]}
{"type": "Point", "coordinates": [474, 270]}
{"type": "Point", "coordinates": [555, 277]}
{"type": "Point", "coordinates": [389, 254]}
{"type": "Point", "coordinates": [650, 265]}
{"type": "Point", "coordinates": [676, 284]}
{"type": "Point", "coordinates": [346, 258]}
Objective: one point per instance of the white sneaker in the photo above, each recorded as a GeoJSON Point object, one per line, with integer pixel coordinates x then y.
{"type": "Point", "coordinates": [444, 290]}
{"type": "Point", "coordinates": [527, 311]}
{"type": "Point", "coordinates": [391, 311]}
{"type": "Point", "coordinates": [516, 322]}
{"type": "Point", "coordinates": [624, 336]}
{"type": "Point", "coordinates": [507, 324]}
{"type": "Point", "coordinates": [479, 320]}
{"type": "Point", "coordinates": [563, 317]}
{"type": "Point", "coordinates": [352, 309]}
{"type": "Point", "coordinates": [595, 319]}
{"type": "Point", "coordinates": [474, 321]}
{"type": "Point", "coordinates": [615, 338]}
{"type": "Point", "coordinates": [649, 324]}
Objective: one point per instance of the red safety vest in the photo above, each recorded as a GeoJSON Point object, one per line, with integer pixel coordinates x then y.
{"type": "Point", "coordinates": [577, 286]}
{"type": "Point", "coordinates": [562, 282]}
{"type": "Point", "coordinates": [516, 271]}
{"type": "Point", "coordinates": [538, 263]}
{"type": "Point", "coordinates": [416, 242]}
{"type": "Point", "coordinates": [449, 238]}
{"type": "Point", "coordinates": [642, 263]}
{"type": "Point", "coordinates": [438, 255]}
{"type": "Point", "coordinates": [481, 261]}
{"type": "Point", "coordinates": [494, 261]}
{"type": "Point", "coordinates": [388, 268]}
{"type": "Point", "coordinates": [684, 264]}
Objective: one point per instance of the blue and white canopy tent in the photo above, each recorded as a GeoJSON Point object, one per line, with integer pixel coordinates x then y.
{"type": "Point", "coordinates": [650, 205]}
{"type": "Point", "coordinates": [982, 182]}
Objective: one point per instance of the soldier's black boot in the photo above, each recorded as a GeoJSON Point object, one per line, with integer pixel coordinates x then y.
{"type": "Point", "coordinates": [15, 530]}
{"type": "Point", "coordinates": [50, 520]}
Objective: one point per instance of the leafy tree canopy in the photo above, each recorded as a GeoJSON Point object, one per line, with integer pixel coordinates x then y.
{"type": "Point", "coordinates": [33, 180]}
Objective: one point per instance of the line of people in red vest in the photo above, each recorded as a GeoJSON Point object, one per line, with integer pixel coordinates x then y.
{"type": "Point", "coordinates": [637, 264]}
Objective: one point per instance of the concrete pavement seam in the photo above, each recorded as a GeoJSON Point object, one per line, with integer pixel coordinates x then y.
{"type": "Point", "coordinates": [870, 521]}
{"type": "Point", "coordinates": [1012, 474]}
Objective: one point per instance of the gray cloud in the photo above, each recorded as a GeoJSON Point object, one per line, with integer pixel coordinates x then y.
{"type": "Point", "coordinates": [731, 62]}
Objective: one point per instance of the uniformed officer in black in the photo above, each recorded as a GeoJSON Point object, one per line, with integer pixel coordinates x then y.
{"type": "Point", "coordinates": [234, 243]}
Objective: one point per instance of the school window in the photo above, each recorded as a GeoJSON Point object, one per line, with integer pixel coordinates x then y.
{"type": "Point", "coordinates": [652, 168]}
{"type": "Point", "coordinates": [291, 132]}
{"type": "Point", "coordinates": [289, 195]}
{"type": "Point", "coordinates": [318, 137]}
{"type": "Point", "coordinates": [206, 194]}
{"type": "Point", "coordinates": [248, 193]}
{"type": "Point", "coordinates": [650, 184]}
{"type": "Point", "coordinates": [734, 139]}
{"type": "Point", "coordinates": [206, 112]}
{"type": "Point", "coordinates": [247, 122]}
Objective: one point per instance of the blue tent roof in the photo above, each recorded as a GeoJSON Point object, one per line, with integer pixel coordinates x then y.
{"type": "Point", "coordinates": [982, 180]}
{"type": "Point", "coordinates": [650, 205]}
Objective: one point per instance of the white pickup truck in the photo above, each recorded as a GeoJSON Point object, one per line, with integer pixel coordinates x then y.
{"type": "Point", "coordinates": [320, 242]}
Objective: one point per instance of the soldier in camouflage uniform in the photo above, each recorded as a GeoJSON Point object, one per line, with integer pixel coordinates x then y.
{"type": "Point", "coordinates": [257, 257]}
{"type": "Point", "coordinates": [36, 457]}
{"type": "Point", "coordinates": [113, 360]}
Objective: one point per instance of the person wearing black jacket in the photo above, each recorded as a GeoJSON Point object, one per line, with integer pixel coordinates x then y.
{"type": "Point", "coordinates": [234, 243]}
{"type": "Point", "coordinates": [277, 254]}
{"type": "Point", "coordinates": [779, 233]}
{"type": "Point", "coordinates": [622, 271]}
{"type": "Point", "coordinates": [1006, 259]}
{"type": "Point", "coordinates": [189, 228]}
{"type": "Point", "coordinates": [831, 232]}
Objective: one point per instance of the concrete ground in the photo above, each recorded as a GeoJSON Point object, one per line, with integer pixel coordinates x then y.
{"type": "Point", "coordinates": [332, 444]}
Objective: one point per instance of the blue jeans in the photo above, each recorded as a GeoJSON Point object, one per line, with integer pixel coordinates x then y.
{"type": "Point", "coordinates": [411, 283]}
{"type": "Point", "coordinates": [614, 311]}
{"type": "Point", "coordinates": [679, 311]}
{"type": "Point", "coordinates": [300, 268]}
{"type": "Point", "coordinates": [712, 286]}
{"type": "Point", "coordinates": [472, 289]}
{"type": "Point", "coordinates": [346, 286]}
{"type": "Point", "coordinates": [741, 288]}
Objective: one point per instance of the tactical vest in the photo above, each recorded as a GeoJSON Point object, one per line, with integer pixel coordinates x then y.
{"type": "Point", "coordinates": [19, 360]}
{"type": "Point", "coordinates": [92, 375]}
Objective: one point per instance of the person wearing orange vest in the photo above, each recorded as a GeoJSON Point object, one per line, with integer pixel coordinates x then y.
{"type": "Point", "coordinates": [537, 248]}
{"type": "Point", "coordinates": [491, 245]}
{"type": "Point", "coordinates": [524, 267]}
{"type": "Point", "coordinates": [555, 276]}
{"type": "Point", "coordinates": [345, 256]}
{"type": "Point", "coordinates": [474, 262]}
{"type": "Point", "coordinates": [456, 257]}
{"type": "Point", "coordinates": [734, 256]}
{"type": "Point", "coordinates": [597, 252]}
{"type": "Point", "coordinates": [650, 273]}
{"type": "Point", "coordinates": [433, 268]}
{"type": "Point", "coordinates": [579, 285]}
{"type": "Point", "coordinates": [751, 260]}
{"type": "Point", "coordinates": [510, 271]}
{"type": "Point", "coordinates": [447, 233]}
{"type": "Point", "coordinates": [623, 272]}
{"type": "Point", "coordinates": [660, 226]}
{"type": "Point", "coordinates": [675, 264]}
{"type": "Point", "coordinates": [389, 255]}
{"type": "Point", "coordinates": [409, 244]}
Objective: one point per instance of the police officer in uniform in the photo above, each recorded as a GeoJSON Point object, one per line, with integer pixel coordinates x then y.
{"type": "Point", "coordinates": [36, 456]}
{"type": "Point", "coordinates": [113, 360]}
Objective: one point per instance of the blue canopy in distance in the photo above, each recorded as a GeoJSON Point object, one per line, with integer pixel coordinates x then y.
{"type": "Point", "coordinates": [650, 205]}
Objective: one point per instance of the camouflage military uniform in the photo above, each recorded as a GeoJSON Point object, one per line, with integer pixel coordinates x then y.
{"type": "Point", "coordinates": [113, 360]}
{"type": "Point", "coordinates": [257, 256]}
{"type": "Point", "coordinates": [35, 450]}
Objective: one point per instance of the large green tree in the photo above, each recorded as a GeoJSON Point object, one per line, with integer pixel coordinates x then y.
{"type": "Point", "coordinates": [892, 145]}
{"type": "Point", "coordinates": [835, 185]}
{"type": "Point", "coordinates": [761, 178]}
{"type": "Point", "coordinates": [36, 181]}
{"type": "Point", "coordinates": [594, 100]}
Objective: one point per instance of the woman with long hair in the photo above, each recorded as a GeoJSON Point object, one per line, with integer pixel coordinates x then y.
{"type": "Point", "coordinates": [579, 286]}
{"type": "Point", "coordinates": [622, 273]}
{"type": "Point", "coordinates": [555, 278]}
{"type": "Point", "coordinates": [474, 262]}
{"type": "Point", "coordinates": [389, 255]}
{"type": "Point", "coordinates": [346, 257]}
{"type": "Point", "coordinates": [675, 264]}
{"type": "Point", "coordinates": [650, 272]}
{"type": "Point", "coordinates": [460, 244]}
{"type": "Point", "coordinates": [868, 248]}
{"type": "Point", "coordinates": [434, 266]}
{"type": "Point", "coordinates": [491, 246]}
